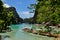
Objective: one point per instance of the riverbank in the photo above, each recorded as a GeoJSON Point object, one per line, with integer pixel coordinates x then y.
{"type": "Point", "coordinates": [16, 34]}
{"type": "Point", "coordinates": [51, 31]}
{"type": "Point", "coordinates": [8, 29]}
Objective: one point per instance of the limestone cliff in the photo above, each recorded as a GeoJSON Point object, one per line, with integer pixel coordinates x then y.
{"type": "Point", "coordinates": [16, 18]}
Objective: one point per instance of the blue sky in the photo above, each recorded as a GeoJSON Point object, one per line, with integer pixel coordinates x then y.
{"type": "Point", "coordinates": [21, 7]}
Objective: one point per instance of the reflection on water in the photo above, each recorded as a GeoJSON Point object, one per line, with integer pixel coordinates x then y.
{"type": "Point", "coordinates": [17, 34]}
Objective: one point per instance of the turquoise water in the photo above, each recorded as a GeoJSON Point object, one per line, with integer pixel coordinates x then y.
{"type": "Point", "coordinates": [18, 34]}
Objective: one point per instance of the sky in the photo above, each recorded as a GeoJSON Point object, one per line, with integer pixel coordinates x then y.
{"type": "Point", "coordinates": [21, 7]}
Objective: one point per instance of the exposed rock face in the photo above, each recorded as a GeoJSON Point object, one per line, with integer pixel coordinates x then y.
{"type": "Point", "coordinates": [16, 18]}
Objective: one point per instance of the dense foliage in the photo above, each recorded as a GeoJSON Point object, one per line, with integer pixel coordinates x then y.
{"type": "Point", "coordinates": [8, 16]}
{"type": "Point", "coordinates": [1, 6]}
{"type": "Point", "coordinates": [47, 11]}
{"type": "Point", "coordinates": [5, 16]}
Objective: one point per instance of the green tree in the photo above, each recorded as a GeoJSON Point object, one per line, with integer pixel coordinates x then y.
{"type": "Point", "coordinates": [1, 6]}
{"type": "Point", "coordinates": [5, 16]}
{"type": "Point", "coordinates": [47, 11]}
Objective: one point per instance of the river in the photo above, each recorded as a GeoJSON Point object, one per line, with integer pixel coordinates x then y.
{"type": "Point", "coordinates": [18, 34]}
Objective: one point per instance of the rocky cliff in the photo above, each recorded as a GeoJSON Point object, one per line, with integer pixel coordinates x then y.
{"type": "Point", "coordinates": [16, 18]}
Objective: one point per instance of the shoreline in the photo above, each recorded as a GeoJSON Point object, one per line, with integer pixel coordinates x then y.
{"type": "Point", "coordinates": [8, 29]}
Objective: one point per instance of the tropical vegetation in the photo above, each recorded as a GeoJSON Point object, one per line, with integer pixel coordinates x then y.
{"type": "Point", "coordinates": [7, 17]}
{"type": "Point", "coordinates": [46, 11]}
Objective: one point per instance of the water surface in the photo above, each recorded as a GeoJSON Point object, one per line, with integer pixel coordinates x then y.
{"type": "Point", "coordinates": [17, 34]}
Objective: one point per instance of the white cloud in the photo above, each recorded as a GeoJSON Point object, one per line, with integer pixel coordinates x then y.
{"type": "Point", "coordinates": [26, 14]}
{"type": "Point", "coordinates": [6, 5]}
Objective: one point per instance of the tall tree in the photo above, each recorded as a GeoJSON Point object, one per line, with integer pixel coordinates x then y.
{"type": "Point", "coordinates": [1, 6]}
{"type": "Point", "coordinates": [47, 10]}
